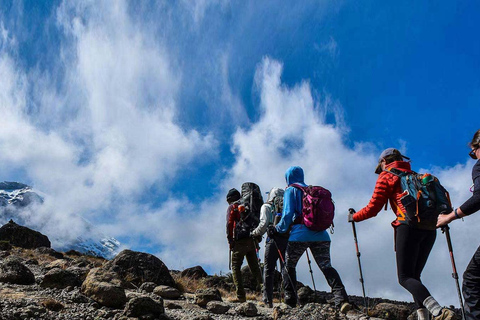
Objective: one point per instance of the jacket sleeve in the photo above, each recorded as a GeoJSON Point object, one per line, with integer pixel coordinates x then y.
{"type": "Point", "coordinates": [265, 220]}
{"type": "Point", "coordinates": [289, 205]}
{"type": "Point", "coordinates": [379, 198]}
{"type": "Point", "coordinates": [473, 203]}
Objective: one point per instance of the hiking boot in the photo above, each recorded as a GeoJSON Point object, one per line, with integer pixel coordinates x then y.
{"type": "Point", "coordinates": [446, 314]}
{"type": "Point", "coordinates": [345, 307]}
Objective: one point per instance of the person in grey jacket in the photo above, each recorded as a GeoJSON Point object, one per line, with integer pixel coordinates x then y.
{"type": "Point", "coordinates": [268, 213]}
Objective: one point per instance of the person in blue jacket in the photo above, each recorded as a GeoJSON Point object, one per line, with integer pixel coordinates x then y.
{"type": "Point", "coordinates": [301, 238]}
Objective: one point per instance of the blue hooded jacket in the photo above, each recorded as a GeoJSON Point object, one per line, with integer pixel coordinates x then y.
{"type": "Point", "coordinates": [292, 208]}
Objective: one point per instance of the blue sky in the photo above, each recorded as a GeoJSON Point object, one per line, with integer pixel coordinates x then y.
{"type": "Point", "coordinates": [141, 115]}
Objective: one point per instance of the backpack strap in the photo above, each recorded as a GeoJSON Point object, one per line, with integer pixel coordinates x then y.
{"type": "Point", "coordinates": [296, 185]}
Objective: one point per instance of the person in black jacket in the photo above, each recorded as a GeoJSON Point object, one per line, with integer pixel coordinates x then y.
{"type": "Point", "coordinates": [471, 276]}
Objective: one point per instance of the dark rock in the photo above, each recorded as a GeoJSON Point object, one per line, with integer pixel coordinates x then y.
{"type": "Point", "coordinates": [138, 267]}
{"type": "Point", "coordinates": [172, 306]}
{"type": "Point", "coordinates": [194, 273]}
{"type": "Point", "coordinates": [204, 296]}
{"type": "Point", "coordinates": [22, 236]}
{"type": "Point", "coordinates": [219, 282]}
{"type": "Point", "coordinates": [247, 309]}
{"type": "Point", "coordinates": [81, 273]}
{"type": "Point", "coordinates": [5, 245]}
{"type": "Point", "coordinates": [33, 262]}
{"type": "Point", "coordinates": [390, 311]}
{"type": "Point", "coordinates": [52, 304]}
{"type": "Point", "coordinates": [59, 278]}
{"type": "Point", "coordinates": [73, 253]}
{"type": "Point", "coordinates": [148, 287]}
{"type": "Point", "coordinates": [167, 292]}
{"type": "Point", "coordinates": [83, 262]}
{"type": "Point", "coordinates": [142, 306]}
{"type": "Point", "coordinates": [105, 288]}
{"type": "Point", "coordinates": [218, 307]}
{"type": "Point", "coordinates": [49, 251]}
{"type": "Point", "coordinates": [12, 270]}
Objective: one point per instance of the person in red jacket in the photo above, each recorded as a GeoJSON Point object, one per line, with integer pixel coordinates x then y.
{"type": "Point", "coordinates": [413, 243]}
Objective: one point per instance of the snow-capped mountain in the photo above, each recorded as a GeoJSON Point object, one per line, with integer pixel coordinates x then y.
{"type": "Point", "coordinates": [16, 196]}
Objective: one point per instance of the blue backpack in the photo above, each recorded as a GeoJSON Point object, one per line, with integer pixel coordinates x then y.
{"type": "Point", "coordinates": [423, 198]}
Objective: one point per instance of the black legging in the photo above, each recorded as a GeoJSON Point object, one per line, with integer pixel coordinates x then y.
{"type": "Point", "coordinates": [412, 249]}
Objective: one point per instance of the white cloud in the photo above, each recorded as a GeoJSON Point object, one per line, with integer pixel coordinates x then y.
{"type": "Point", "coordinates": [113, 131]}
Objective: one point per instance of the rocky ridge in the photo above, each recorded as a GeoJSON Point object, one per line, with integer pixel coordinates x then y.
{"type": "Point", "coordinates": [41, 283]}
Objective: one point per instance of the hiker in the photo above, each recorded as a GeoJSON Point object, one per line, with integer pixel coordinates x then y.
{"type": "Point", "coordinates": [413, 243]}
{"type": "Point", "coordinates": [241, 244]}
{"type": "Point", "coordinates": [275, 246]}
{"type": "Point", "coordinates": [471, 276]}
{"type": "Point", "coordinates": [301, 238]}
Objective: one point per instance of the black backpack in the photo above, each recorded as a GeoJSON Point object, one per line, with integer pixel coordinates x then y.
{"type": "Point", "coordinates": [249, 206]}
{"type": "Point", "coordinates": [423, 198]}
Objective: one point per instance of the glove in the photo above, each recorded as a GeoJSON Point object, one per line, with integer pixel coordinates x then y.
{"type": "Point", "coordinates": [271, 231]}
{"type": "Point", "coordinates": [350, 215]}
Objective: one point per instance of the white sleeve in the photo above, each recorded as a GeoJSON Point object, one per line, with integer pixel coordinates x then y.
{"type": "Point", "coordinates": [265, 220]}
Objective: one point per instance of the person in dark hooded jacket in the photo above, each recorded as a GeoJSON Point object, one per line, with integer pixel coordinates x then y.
{"type": "Point", "coordinates": [301, 238]}
{"type": "Point", "coordinates": [471, 276]}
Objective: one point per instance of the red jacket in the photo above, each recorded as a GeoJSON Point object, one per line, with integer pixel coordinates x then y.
{"type": "Point", "coordinates": [387, 188]}
{"type": "Point", "coordinates": [233, 215]}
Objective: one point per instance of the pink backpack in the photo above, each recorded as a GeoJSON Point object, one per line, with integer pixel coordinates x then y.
{"type": "Point", "coordinates": [318, 207]}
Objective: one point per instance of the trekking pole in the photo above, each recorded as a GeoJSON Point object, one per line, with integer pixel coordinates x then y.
{"type": "Point", "coordinates": [446, 230]}
{"type": "Point", "coordinates": [311, 272]}
{"type": "Point", "coordinates": [359, 263]}
{"type": "Point", "coordinates": [229, 259]}
{"type": "Point", "coordinates": [285, 268]}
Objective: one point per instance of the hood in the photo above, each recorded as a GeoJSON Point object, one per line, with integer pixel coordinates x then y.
{"type": "Point", "coordinates": [273, 193]}
{"type": "Point", "coordinates": [294, 175]}
{"type": "Point", "coordinates": [400, 165]}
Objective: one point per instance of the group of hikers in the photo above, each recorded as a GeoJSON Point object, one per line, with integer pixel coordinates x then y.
{"type": "Point", "coordinates": [298, 218]}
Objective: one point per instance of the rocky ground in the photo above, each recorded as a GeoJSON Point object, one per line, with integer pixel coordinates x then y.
{"type": "Point", "coordinates": [40, 283]}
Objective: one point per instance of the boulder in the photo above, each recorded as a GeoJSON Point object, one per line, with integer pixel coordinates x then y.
{"type": "Point", "coordinates": [81, 273]}
{"type": "Point", "coordinates": [194, 273]}
{"type": "Point", "coordinates": [12, 270]}
{"type": "Point", "coordinates": [138, 267]}
{"type": "Point", "coordinates": [59, 263]}
{"type": "Point", "coordinates": [167, 292]}
{"type": "Point", "coordinates": [390, 311]}
{"type": "Point", "coordinates": [148, 287]}
{"type": "Point", "coordinates": [247, 309]}
{"type": "Point", "coordinates": [60, 279]}
{"type": "Point", "coordinates": [105, 287]}
{"type": "Point", "coordinates": [204, 296]}
{"type": "Point", "coordinates": [5, 245]}
{"type": "Point", "coordinates": [218, 307]}
{"type": "Point", "coordinates": [49, 252]}
{"type": "Point", "coordinates": [143, 306]}
{"type": "Point", "coordinates": [22, 236]}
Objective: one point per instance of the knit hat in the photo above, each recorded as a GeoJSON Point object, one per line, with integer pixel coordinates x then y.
{"type": "Point", "coordinates": [233, 195]}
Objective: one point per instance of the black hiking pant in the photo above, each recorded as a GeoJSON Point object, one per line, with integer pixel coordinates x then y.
{"type": "Point", "coordinates": [471, 287]}
{"type": "Point", "coordinates": [271, 256]}
{"type": "Point", "coordinates": [413, 247]}
{"type": "Point", "coordinates": [321, 254]}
